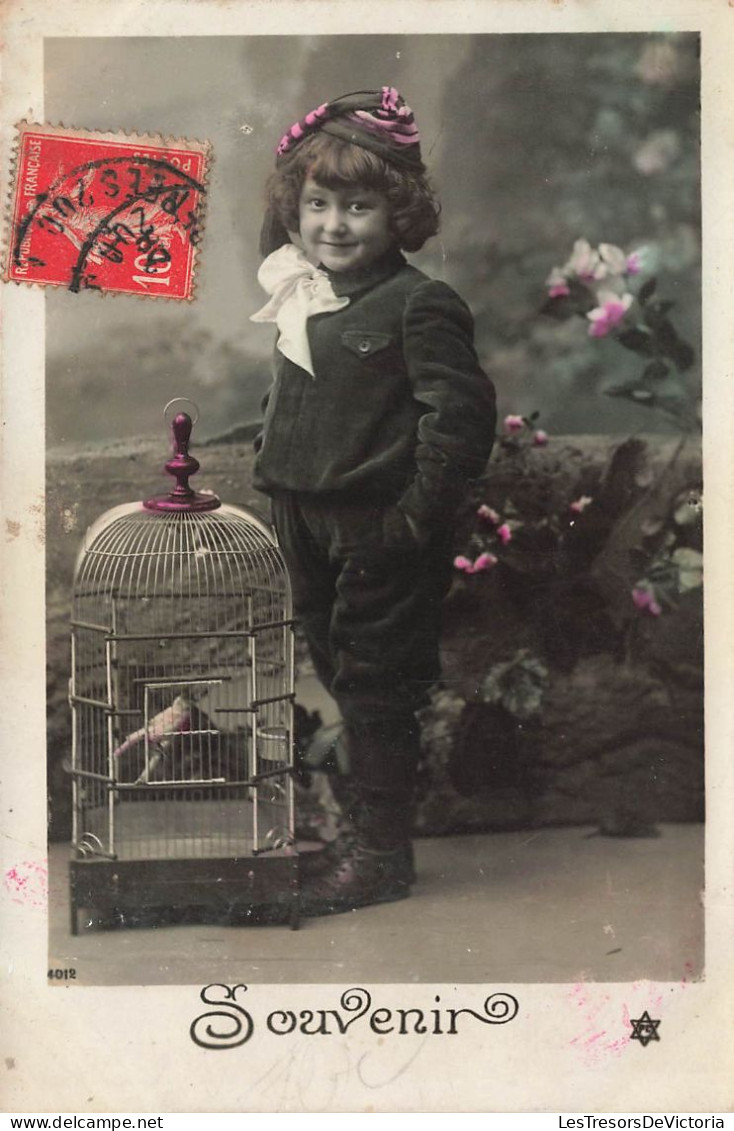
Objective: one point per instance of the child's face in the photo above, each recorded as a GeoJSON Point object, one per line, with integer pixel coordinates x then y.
{"type": "Point", "coordinates": [344, 228]}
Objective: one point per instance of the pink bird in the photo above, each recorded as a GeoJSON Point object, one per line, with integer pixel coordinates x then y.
{"type": "Point", "coordinates": [173, 720]}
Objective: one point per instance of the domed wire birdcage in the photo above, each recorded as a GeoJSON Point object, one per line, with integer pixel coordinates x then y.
{"type": "Point", "coordinates": [182, 694]}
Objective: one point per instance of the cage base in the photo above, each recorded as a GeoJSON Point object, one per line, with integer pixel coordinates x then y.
{"type": "Point", "coordinates": [138, 893]}
{"type": "Point", "coordinates": [154, 826]}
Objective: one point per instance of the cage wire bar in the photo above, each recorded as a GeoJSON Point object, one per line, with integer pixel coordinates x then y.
{"type": "Point", "coordinates": [181, 693]}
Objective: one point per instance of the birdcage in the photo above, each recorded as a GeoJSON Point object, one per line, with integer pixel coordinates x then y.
{"type": "Point", "coordinates": [182, 694]}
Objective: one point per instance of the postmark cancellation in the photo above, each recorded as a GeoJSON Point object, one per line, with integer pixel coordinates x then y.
{"type": "Point", "coordinates": [111, 212]}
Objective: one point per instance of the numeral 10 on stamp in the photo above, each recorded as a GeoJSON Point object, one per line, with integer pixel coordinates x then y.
{"type": "Point", "coordinates": [106, 212]}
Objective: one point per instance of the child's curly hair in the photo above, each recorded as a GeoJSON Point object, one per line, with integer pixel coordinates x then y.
{"type": "Point", "coordinates": [336, 164]}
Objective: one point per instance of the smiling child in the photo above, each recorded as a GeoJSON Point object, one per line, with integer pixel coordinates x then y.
{"type": "Point", "coordinates": [378, 416]}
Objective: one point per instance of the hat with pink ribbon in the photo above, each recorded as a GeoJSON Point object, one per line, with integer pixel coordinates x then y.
{"type": "Point", "coordinates": [378, 120]}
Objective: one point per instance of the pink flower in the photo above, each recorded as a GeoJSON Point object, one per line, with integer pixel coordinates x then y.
{"type": "Point", "coordinates": [514, 424]}
{"type": "Point", "coordinates": [634, 263]}
{"type": "Point", "coordinates": [578, 506]}
{"type": "Point", "coordinates": [644, 600]}
{"type": "Point", "coordinates": [489, 514]}
{"type": "Point", "coordinates": [610, 312]}
{"type": "Point", "coordinates": [483, 562]}
{"type": "Point", "coordinates": [657, 153]}
{"type": "Point", "coordinates": [659, 64]}
{"type": "Point", "coordinates": [504, 533]}
{"type": "Point", "coordinates": [540, 438]}
{"type": "Point", "coordinates": [643, 258]}
{"type": "Point", "coordinates": [557, 284]}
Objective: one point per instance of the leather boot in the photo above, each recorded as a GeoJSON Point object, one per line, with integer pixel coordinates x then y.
{"type": "Point", "coordinates": [317, 862]}
{"type": "Point", "coordinates": [371, 867]}
{"type": "Point", "coordinates": [324, 753]}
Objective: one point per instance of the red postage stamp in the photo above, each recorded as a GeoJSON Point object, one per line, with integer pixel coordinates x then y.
{"type": "Point", "coordinates": [106, 212]}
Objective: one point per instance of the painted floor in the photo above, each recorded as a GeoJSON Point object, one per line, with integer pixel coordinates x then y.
{"type": "Point", "coordinates": [550, 905]}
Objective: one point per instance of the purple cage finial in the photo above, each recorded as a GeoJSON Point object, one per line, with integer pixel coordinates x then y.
{"type": "Point", "coordinates": [182, 498]}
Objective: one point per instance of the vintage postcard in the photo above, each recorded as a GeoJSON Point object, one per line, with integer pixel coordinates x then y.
{"type": "Point", "coordinates": [169, 784]}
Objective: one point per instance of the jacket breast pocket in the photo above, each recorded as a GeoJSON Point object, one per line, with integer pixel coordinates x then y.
{"type": "Point", "coordinates": [365, 343]}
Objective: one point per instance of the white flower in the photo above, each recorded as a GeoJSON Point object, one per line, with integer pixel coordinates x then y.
{"type": "Point", "coordinates": [614, 258]}
{"type": "Point", "coordinates": [585, 262]}
{"type": "Point", "coordinates": [657, 153]}
{"type": "Point", "coordinates": [578, 506]}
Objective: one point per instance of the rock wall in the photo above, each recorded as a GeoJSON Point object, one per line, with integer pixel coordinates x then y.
{"type": "Point", "coordinates": [563, 701]}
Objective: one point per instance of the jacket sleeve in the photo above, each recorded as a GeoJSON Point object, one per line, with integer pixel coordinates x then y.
{"type": "Point", "coordinates": [257, 442]}
{"type": "Point", "coordinates": [457, 429]}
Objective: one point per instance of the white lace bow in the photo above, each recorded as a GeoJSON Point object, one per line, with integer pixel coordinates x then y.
{"type": "Point", "coordinates": [298, 290]}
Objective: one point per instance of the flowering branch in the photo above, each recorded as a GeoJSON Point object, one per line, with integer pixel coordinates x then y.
{"type": "Point", "coordinates": [597, 285]}
{"type": "Point", "coordinates": [519, 432]}
{"type": "Point", "coordinates": [490, 541]}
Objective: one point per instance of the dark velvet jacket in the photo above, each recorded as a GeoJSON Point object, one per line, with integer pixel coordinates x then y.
{"type": "Point", "coordinates": [399, 411]}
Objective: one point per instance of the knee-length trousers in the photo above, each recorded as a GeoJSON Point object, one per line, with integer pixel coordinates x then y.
{"type": "Point", "coordinates": [368, 598]}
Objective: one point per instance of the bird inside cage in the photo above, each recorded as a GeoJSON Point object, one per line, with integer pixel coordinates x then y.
{"type": "Point", "coordinates": [182, 703]}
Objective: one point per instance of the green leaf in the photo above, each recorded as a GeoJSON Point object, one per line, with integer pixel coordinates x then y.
{"type": "Point", "coordinates": [655, 312]}
{"type": "Point", "coordinates": [620, 390]}
{"type": "Point", "coordinates": [683, 356]}
{"type": "Point", "coordinates": [518, 685]}
{"type": "Point", "coordinates": [633, 391]}
{"type": "Point", "coordinates": [663, 573]}
{"type": "Point", "coordinates": [639, 559]}
{"type": "Point", "coordinates": [674, 406]}
{"type": "Point", "coordinates": [680, 353]}
{"type": "Point", "coordinates": [584, 296]}
{"type": "Point", "coordinates": [655, 370]}
{"type": "Point", "coordinates": [647, 291]}
{"type": "Point", "coordinates": [637, 339]}
{"type": "Point", "coordinates": [688, 512]}
{"type": "Point", "coordinates": [690, 568]}
{"type": "Point", "coordinates": [580, 300]}
{"type": "Point", "coordinates": [561, 308]}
